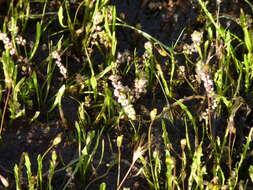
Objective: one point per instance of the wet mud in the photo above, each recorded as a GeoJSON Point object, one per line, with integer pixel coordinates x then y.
{"type": "Point", "coordinates": [165, 21]}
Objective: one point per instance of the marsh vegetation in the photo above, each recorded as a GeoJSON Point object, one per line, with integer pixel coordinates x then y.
{"type": "Point", "coordinates": [126, 94]}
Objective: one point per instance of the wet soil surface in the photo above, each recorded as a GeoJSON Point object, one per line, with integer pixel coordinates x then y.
{"type": "Point", "coordinates": [164, 20]}
{"type": "Point", "coordinates": [33, 139]}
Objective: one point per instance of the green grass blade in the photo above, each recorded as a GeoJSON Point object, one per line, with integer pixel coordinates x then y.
{"type": "Point", "coordinates": [37, 41]}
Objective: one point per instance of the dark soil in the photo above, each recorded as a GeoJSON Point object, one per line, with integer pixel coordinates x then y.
{"type": "Point", "coordinates": [164, 20]}
{"type": "Point", "coordinates": [34, 139]}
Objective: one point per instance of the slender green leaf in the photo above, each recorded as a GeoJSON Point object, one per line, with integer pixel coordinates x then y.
{"type": "Point", "coordinates": [58, 98]}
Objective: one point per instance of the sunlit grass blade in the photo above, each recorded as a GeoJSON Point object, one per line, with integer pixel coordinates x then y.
{"type": "Point", "coordinates": [37, 41]}
{"type": "Point", "coordinates": [192, 119]}
{"type": "Point", "coordinates": [102, 186]}
{"type": "Point", "coordinates": [146, 35]}
{"type": "Point", "coordinates": [58, 98]}
{"type": "Point", "coordinates": [198, 171]}
{"type": "Point", "coordinates": [39, 173]}
{"type": "Point", "coordinates": [52, 170]}
{"type": "Point", "coordinates": [17, 177]}
{"type": "Point", "coordinates": [61, 17]}
{"type": "Point", "coordinates": [30, 177]}
{"type": "Point", "coordinates": [243, 156]}
{"type": "Point", "coordinates": [164, 82]}
{"type": "Point", "coordinates": [86, 157]}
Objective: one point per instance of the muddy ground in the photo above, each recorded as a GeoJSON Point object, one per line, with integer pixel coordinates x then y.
{"type": "Point", "coordinates": [164, 20]}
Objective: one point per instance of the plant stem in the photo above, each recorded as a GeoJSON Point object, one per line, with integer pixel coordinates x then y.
{"type": "Point", "coordinates": [124, 179]}
{"type": "Point", "coordinates": [4, 110]}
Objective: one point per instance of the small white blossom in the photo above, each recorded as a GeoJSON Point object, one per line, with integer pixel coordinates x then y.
{"type": "Point", "coordinates": [20, 40]}
{"type": "Point", "coordinates": [129, 109]}
{"type": "Point", "coordinates": [148, 46]}
{"type": "Point", "coordinates": [97, 18]}
{"type": "Point", "coordinates": [139, 87]}
{"type": "Point", "coordinates": [218, 2]}
{"type": "Point", "coordinates": [12, 27]}
{"type": "Point", "coordinates": [121, 92]}
{"type": "Point", "coordinates": [197, 37]}
{"type": "Point", "coordinates": [59, 64]}
{"type": "Point", "coordinates": [12, 51]}
{"type": "Point", "coordinates": [7, 43]}
{"type": "Point", "coordinates": [203, 75]}
{"type": "Point", "coordinates": [56, 55]}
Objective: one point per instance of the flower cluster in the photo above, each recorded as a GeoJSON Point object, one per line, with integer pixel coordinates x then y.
{"type": "Point", "coordinates": [123, 95]}
{"type": "Point", "coordinates": [203, 75]}
{"type": "Point", "coordinates": [148, 51]}
{"type": "Point", "coordinates": [139, 87]}
{"type": "Point", "coordinates": [10, 46]}
{"type": "Point", "coordinates": [59, 64]}
{"type": "Point", "coordinates": [99, 34]}
{"type": "Point", "coordinates": [20, 40]}
{"type": "Point", "coordinates": [181, 72]}
{"type": "Point", "coordinates": [97, 18]}
{"type": "Point", "coordinates": [7, 43]}
{"type": "Point", "coordinates": [12, 27]}
{"type": "Point", "coordinates": [148, 46]}
{"type": "Point", "coordinates": [124, 57]}
{"type": "Point", "coordinates": [202, 70]}
{"type": "Point", "coordinates": [197, 40]}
